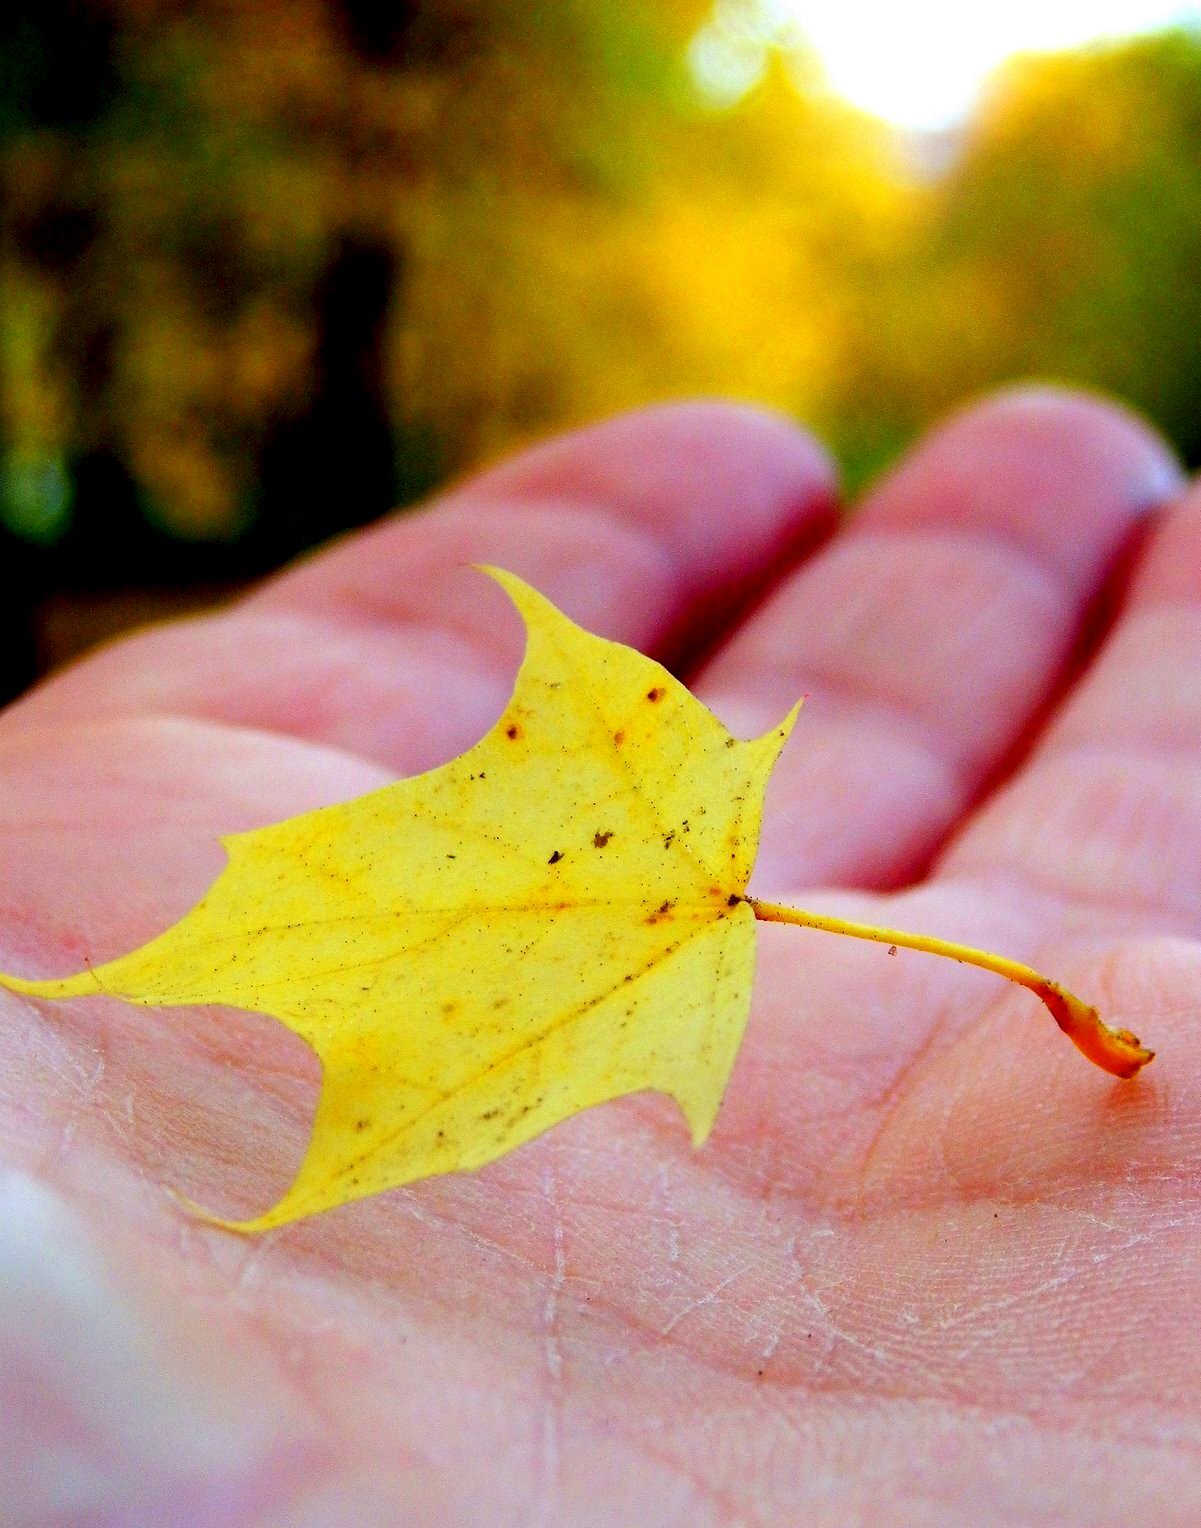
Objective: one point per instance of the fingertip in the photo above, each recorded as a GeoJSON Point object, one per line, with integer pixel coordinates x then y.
{"type": "Point", "coordinates": [1171, 569]}
{"type": "Point", "coordinates": [728, 483]}
{"type": "Point", "coordinates": [656, 528]}
{"type": "Point", "coordinates": [645, 453]}
{"type": "Point", "coordinates": [648, 527]}
{"type": "Point", "coordinates": [1036, 464]}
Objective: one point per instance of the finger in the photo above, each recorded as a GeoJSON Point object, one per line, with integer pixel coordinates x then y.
{"type": "Point", "coordinates": [1108, 811]}
{"type": "Point", "coordinates": [388, 645]}
{"type": "Point", "coordinates": [929, 634]}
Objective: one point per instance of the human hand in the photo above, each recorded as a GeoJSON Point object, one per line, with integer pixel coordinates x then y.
{"type": "Point", "coordinates": [931, 1267]}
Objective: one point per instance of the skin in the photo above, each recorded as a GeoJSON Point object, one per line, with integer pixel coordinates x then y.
{"type": "Point", "coordinates": [931, 1268]}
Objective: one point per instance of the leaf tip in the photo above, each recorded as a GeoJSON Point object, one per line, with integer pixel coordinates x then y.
{"type": "Point", "coordinates": [197, 1212]}
{"type": "Point", "coordinates": [790, 721]}
{"type": "Point", "coordinates": [773, 740]}
{"type": "Point", "coordinates": [82, 984]}
{"type": "Point", "coordinates": [516, 588]}
{"type": "Point", "coordinates": [531, 605]}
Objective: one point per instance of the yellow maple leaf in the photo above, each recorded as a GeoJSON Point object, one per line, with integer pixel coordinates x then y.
{"type": "Point", "coordinates": [553, 919]}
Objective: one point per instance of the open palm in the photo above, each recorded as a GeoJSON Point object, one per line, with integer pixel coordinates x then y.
{"type": "Point", "coordinates": [931, 1268]}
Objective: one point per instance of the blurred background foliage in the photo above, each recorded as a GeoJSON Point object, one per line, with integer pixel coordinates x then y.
{"type": "Point", "coordinates": [270, 268]}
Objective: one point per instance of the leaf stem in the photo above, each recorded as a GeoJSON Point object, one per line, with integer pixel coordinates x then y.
{"type": "Point", "coordinates": [1116, 1050]}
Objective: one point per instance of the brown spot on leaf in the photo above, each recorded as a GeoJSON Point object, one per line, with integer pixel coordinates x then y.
{"type": "Point", "coordinates": [619, 738]}
{"type": "Point", "coordinates": [513, 731]}
{"type": "Point", "coordinates": [555, 858]}
{"type": "Point", "coordinates": [599, 840]}
{"type": "Point", "coordinates": [656, 695]}
{"type": "Point", "coordinates": [449, 1008]}
{"type": "Point", "coordinates": [361, 1124]}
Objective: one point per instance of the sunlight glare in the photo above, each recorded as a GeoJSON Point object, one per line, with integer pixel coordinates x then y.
{"type": "Point", "coordinates": [920, 65]}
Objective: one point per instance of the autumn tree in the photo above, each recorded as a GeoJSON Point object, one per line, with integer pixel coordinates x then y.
{"type": "Point", "coordinates": [1064, 241]}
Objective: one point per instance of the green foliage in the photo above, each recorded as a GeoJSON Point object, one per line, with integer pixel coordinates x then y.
{"type": "Point", "coordinates": [1065, 242]}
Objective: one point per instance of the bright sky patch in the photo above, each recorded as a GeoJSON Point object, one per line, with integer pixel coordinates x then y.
{"type": "Point", "coordinates": [920, 65]}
